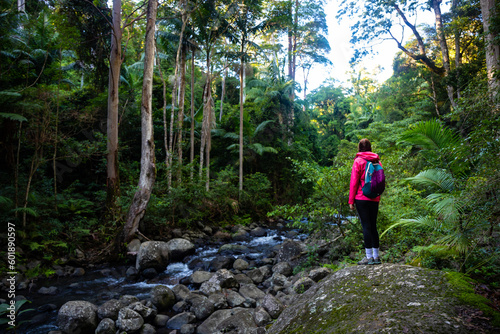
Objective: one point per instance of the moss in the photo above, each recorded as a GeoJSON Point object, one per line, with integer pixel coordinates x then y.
{"type": "Point", "coordinates": [465, 293]}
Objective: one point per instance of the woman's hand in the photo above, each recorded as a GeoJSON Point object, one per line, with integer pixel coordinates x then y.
{"type": "Point", "coordinates": [351, 206]}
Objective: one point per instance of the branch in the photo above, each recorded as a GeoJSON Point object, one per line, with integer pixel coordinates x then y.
{"type": "Point", "coordinates": [421, 44]}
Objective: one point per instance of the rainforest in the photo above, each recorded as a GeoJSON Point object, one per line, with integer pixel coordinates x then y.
{"type": "Point", "coordinates": [131, 119]}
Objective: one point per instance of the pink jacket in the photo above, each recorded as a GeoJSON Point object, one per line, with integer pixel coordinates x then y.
{"type": "Point", "coordinates": [358, 176]}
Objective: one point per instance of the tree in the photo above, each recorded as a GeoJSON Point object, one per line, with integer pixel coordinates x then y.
{"type": "Point", "coordinates": [148, 166]}
{"type": "Point", "coordinates": [490, 12]}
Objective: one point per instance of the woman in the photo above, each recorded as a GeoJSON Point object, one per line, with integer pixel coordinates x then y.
{"type": "Point", "coordinates": [367, 207]}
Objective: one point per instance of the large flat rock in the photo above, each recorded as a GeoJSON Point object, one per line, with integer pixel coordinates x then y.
{"type": "Point", "coordinates": [386, 298]}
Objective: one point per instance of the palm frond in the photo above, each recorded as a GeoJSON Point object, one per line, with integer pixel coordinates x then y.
{"type": "Point", "coordinates": [417, 222]}
{"type": "Point", "coordinates": [11, 116]}
{"type": "Point", "coordinates": [232, 135]}
{"type": "Point", "coordinates": [430, 135]}
{"type": "Point", "coordinates": [262, 126]}
{"type": "Point", "coordinates": [439, 178]}
{"type": "Point", "coordinates": [448, 206]}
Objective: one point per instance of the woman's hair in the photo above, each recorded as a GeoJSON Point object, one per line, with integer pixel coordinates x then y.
{"type": "Point", "coordinates": [364, 145]}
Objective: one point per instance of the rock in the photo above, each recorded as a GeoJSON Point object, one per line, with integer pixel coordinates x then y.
{"type": "Point", "coordinates": [106, 326]}
{"type": "Point", "coordinates": [240, 264]}
{"type": "Point", "coordinates": [243, 279]}
{"type": "Point", "coordinates": [78, 272]}
{"type": "Point", "coordinates": [180, 306]}
{"type": "Point", "coordinates": [126, 300]}
{"type": "Point", "coordinates": [129, 320]}
{"type": "Point", "coordinates": [261, 317]}
{"type": "Point", "coordinates": [161, 320]}
{"type": "Point", "coordinates": [240, 235]}
{"type": "Point", "coordinates": [278, 280]}
{"type": "Point", "coordinates": [149, 273]}
{"type": "Point", "coordinates": [77, 317]}
{"type": "Point", "coordinates": [153, 254]}
{"type": "Point", "coordinates": [228, 249]}
{"type": "Point", "coordinates": [258, 232]}
{"type": "Point", "coordinates": [132, 273]}
{"type": "Point", "coordinates": [133, 246]}
{"type": "Point", "coordinates": [180, 248]}
{"type": "Point", "coordinates": [251, 291]}
{"type": "Point", "coordinates": [273, 306]}
{"type": "Point", "coordinates": [303, 284]}
{"type": "Point", "coordinates": [178, 320]}
{"type": "Point", "coordinates": [234, 299]}
{"type": "Point", "coordinates": [162, 297]}
{"type": "Point", "coordinates": [202, 308]}
{"type": "Point", "coordinates": [222, 236]}
{"type": "Point", "coordinates": [256, 275]}
{"type": "Point", "coordinates": [209, 326]}
{"type": "Point", "coordinates": [291, 251]}
{"type": "Point", "coordinates": [222, 279]}
{"type": "Point", "coordinates": [147, 329]}
{"type": "Point", "coordinates": [283, 268]}
{"type": "Point", "coordinates": [47, 308]}
{"type": "Point", "coordinates": [181, 291]}
{"type": "Point", "coordinates": [110, 309]}
{"type": "Point", "coordinates": [200, 276]}
{"type": "Point", "coordinates": [318, 274]}
{"type": "Point", "coordinates": [79, 255]}
{"type": "Point", "coordinates": [48, 291]}
{"type": "Point", "coordinates": [220, 262]}
{"type": "Point", "coordinates": [408, 300]}
{"type": "Point", "coordinates": [241, 322]}
{"type": "Point", "coordinates": [219, 300]}
{"type": "Point", "coordinates": [188, 329]}
{"type": "Point", "coordinates": [147, 313]}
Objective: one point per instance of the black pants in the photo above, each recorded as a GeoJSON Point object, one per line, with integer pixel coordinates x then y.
{"type": "Point", "coordinates": [367, 211]}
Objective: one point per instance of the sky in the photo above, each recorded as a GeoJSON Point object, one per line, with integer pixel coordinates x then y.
{"type": "Point", "coordinates": [339, 34]}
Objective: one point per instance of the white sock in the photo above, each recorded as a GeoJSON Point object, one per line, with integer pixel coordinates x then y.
{"type": "Point", "coordinates": [375, 252]}
{"type": "Point", "coordinates": [368, 253]}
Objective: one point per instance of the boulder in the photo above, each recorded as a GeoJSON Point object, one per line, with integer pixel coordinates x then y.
{"type": "Point", "coordinates": [256, 275]}
{"type": "Point", "coordinates": [147, 313]}
{"type": "Point", "coordinates": [209, 326]}
{"type": "Point", "coordinates": [243, 279]}
{"type": "Point", "coordinates": [48, 291]}
{"type": "Point", "coordinates": [161, 320]}
{"type": "Point", "coordinates": [178, 320]}
{"type": "Point", "coordinates": [126, 300]}
{"type": "Point", "coordinates": [240, 322]}
{"type": "Point", "coordinates": [240, 235]}
{"type": "Point", "coordinates": [291, 251]}
{"type": "Point", "coordinates": [106, 326]}
{"type": "Point", "coordinates": [147, 329]}
{"type": "Point", "coordinates": [77, 316]}
{"type": "Point", "coordinates": [202, 308]}
{"type": "Point", "coordinates": [181, 291]}
{"type": "Point", "coordinates": [162, 297]}
{"type": "Point", "coordinates": [273, 306]}
{"type": "Point", "coordinates": [234, 299]}
{"type": "Point", "coordinates": [258, 232]}
{"type": "Point", "coordinates": [200, 276]}
{"type": "Point", "coordinates": [110, 309]}
{"type": "Point", "coordinates": [222, 279]}
{"type": "Point", "coordinates": [283, 268]}
{"type": "Point", "coordinates": [219, 300]}
{"type": "Point", "coordinates": [251, 291]}
{"type": "Point", "coordinates": [261, 317]}
{"type": "Point", "coordinates": [240, 264]}
{"type": "Point", "coordinates": [233, 249]}
{"type": "Point", "coordinates": [302, 284]}
{"type": "Point", "coordinates": [221, 262]}
{"type": "Point", "coordinates": [153, 254]}
{"type": "Point", "coordinates": [180, 248]}
{"type": "Point", "coordinates": [129, 320]}
{"type": "Point", "coordinates": [386, 298]}
{"type": "Point", "coordinates": [318, 274]}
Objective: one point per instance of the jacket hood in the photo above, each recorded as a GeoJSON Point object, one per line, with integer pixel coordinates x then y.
{"type": "Point", "coordinates": [370, 156]}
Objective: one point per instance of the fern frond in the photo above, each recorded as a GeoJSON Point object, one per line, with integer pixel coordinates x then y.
{"type": "Point", "coordinates": [439, 178]}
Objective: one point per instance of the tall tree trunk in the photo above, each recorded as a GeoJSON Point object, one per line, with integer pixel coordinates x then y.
{"type": "Point", "coordinates": [223, 88]}
{"type": "Point", "coordinates": [191, 157]}
{"type": "Point", "coordinates": [208, 120]}
{"type": "Point", "coordinates": [148, 167]}
{"type": "Point", "coordinates": [488, 11]}
{"type": "Point", "coordinates": [242, 70]}
{"type": "Point", "coordinates": [174, 89]}
{"type": "Point", "coordinates": [115, 62]}
{"type": "Point", "coordinates": [436, 5]}
{"type": "Point", "coordinates": [16, 173]}
{"type": "Point", "coordinates": [180, 117]}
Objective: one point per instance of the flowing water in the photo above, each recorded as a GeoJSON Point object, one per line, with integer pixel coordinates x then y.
{"type": "Point", "coordinates": [102, 284]}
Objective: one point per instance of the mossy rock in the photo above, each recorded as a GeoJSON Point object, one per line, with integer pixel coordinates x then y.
{"type": "Point", "coordinates": [386, 298]}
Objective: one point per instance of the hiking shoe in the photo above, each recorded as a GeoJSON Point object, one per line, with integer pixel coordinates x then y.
{"type": "Point", "coordinates": [375, 260]}
{"type": "Point", "coordinates": [365, 261]}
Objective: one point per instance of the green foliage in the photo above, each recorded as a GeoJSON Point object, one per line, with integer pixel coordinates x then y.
{"type": "Point", "coordinates": [4, 311]}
